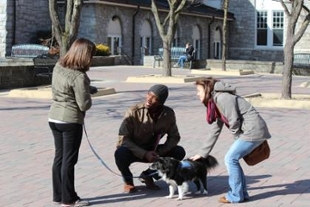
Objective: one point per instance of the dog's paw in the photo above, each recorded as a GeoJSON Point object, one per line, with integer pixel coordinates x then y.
{"type": "Point", "coordinates": [179, 199]}
{"type": "Point", "coordinates": [169, 197]}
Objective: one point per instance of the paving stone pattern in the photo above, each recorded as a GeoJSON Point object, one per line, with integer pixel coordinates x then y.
{"type": "Point", "coordinates": [27, 146]}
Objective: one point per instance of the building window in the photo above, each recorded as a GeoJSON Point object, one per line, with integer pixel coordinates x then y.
{"type": "Point", "coordinates": [115, 45]}
{"type": "Point", "coordinates": [270, 28]}
{"type": "Point", "coordinates": [278, 24]}
{"type": "Point", "coordinates": [217, 50]}
{"type": "Point", "coordinates": [262, 28]}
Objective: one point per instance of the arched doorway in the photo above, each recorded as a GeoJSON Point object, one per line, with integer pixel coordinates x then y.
{"type": "Point", "coordinates": [115, 36]}
{"type": "Point", "coordinates": [197, 41]}
{"type": "Point", "coordinates": [217, 45]}
{"type": "Point", "coordinates": [145, 40]}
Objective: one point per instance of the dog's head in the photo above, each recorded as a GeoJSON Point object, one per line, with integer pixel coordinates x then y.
{"type": "Point", "coordinates": [164, 164]}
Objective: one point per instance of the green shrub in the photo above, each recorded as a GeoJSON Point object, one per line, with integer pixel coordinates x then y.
{"type": "Point", "coordinates": [102, 50]}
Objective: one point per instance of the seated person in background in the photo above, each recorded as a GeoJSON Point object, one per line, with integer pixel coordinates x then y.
{"type": "Point", "coordinates": [143, 126]}
{"type": "Point", "coordinates": [186, 57]}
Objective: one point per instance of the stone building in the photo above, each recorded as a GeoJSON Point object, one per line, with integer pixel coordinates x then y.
{"type": "Point", "coordinates": [258, 32]}
{"type": "Point", "coordinates": [128, 27]}
{"type": "Point", "coordinates": [256, 27]}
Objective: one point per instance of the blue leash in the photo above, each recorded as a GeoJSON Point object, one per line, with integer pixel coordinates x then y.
{"type": "Point", "coordinates": [103, 163]}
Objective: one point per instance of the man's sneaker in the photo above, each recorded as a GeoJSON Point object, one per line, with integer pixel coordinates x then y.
{"type": "Point", "coordinates": [129, 188]}
{"type": "Point", "coordinates": [148, 181]}
{"type": "Point", "coordinates": [176, 65]}
{"type": "Point", "coordinates": [78, 203]}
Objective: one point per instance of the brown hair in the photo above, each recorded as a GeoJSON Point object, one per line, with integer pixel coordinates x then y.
{"type": "Point", "coordinates": [79, 55]}
{"type": "Point", "coordinates": [208, 85]}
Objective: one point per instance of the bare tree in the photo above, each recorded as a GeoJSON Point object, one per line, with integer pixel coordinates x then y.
{"type": "Point", "coordinates": [65, 34]}
{"type": "Point", "coordinates": [167, 26]}
{"type": "Point", "coordinates": [292, 38]}
{"type": "Point", "coordinates": [224, 35]}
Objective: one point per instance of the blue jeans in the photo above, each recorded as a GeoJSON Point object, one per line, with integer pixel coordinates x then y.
{"type": "Point", "coordinates": [236, 178]}
{"type": "Point", "coordinates": [181, 60]}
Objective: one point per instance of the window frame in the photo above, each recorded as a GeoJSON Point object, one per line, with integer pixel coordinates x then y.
{"type": "Point", "coordinates": [270, 29]}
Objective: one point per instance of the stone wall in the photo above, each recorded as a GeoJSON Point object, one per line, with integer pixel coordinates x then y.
{"type": "Point", "coordinates": [23, 20]}
{"type": "Point", "coordinates": [242, 37]}
{"type": "Point", "coordinates": [256, 66]}
{"type": "Point", "coordinates": [30, 17]}
{"type": "Point", "coordinates": [95, 19]}
{"type": "Point", "coordinates": [19, 72]}
{"type": "Point", "coordinates": [214, 64]}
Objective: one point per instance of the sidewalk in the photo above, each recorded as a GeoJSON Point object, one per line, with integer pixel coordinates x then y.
{"type": "Point", "coordinates": [27, 146]}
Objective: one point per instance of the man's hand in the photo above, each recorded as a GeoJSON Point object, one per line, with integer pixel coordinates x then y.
{"type": "Point", "coordinates": [151, 156]}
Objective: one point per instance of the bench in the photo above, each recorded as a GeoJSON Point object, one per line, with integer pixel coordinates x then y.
{"type": "Point", "coordinates": [28, 50]}
{"type": "Point", "coordinates": [176, 52]}
{"type": "Point", "coordinates": [301, 64]}
{"type": "Point", "coordinates": [44, 64]}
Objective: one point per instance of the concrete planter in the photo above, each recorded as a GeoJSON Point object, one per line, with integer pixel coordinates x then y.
{"type": "Point", "coordinates": [103, 61]}
{"type": "Point", "coordinates": [19, 72]}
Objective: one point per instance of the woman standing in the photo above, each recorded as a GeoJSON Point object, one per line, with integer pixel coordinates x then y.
{"type": "Point", "coordinates": [71, 99]}
{"type": "Point", "coordinates": [243, 121]}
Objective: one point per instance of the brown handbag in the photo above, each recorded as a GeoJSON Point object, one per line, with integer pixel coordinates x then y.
{"type": "Point", "coordinates": [259, 154]}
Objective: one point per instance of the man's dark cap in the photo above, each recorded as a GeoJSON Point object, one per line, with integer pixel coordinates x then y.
{"type": "Point", "coordinates": [161, 91]}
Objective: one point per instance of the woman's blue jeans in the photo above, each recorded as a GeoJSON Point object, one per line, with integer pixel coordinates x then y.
{"type": "Point", "coordinates": [181, 60]}
{"type": "Point", "coordinates": [236, 178]}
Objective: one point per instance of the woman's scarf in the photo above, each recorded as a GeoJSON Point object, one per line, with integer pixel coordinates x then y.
{"type": "Point", "coordinates": [213, 113]}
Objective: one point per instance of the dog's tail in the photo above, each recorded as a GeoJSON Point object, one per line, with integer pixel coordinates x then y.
{"type": "Point", "coordinates": [211, 162]}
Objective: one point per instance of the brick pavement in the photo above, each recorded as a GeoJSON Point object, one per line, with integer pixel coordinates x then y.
{"type": "Point", "coordinates": [27, 146]}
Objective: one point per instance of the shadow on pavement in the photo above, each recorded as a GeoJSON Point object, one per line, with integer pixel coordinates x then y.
{"type": "Point", "coordinates": [297, 187]}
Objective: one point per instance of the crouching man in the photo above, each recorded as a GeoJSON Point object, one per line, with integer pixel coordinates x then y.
{"type": "Point", "coordinates": [143, 126]}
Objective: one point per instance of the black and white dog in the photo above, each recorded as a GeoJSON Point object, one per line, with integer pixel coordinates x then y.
{"type": "Point", "coordinates": [177, 173]}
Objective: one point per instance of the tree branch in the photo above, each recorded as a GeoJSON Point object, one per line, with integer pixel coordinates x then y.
{"type": "Point", "coordinates": [296, 9]}
{"type": "Point", "coordinates": [56, 26]}
{"type": "Point", "coordinates": [285, 8]}
{"type": "Point", "coordinates": [75, 19]}
{"type": "Point", "coordinates": [302, 28]}
{"type": "Point", "coordinates": [157, 20]}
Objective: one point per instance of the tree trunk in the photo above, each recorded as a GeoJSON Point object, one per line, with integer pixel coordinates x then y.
{"type": "Point", "coordinates": [292, 38]}
{"type": "Point", "coordinates": [166, 58]}
{"type": "Point", "coordinates": [287, 67]}
{"type": "Point", "coordinates": [166, 27]}
{"type": "Point", "coordinates": [65, 45]}
{"type": "Point", "coordinates": [224, 38]}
